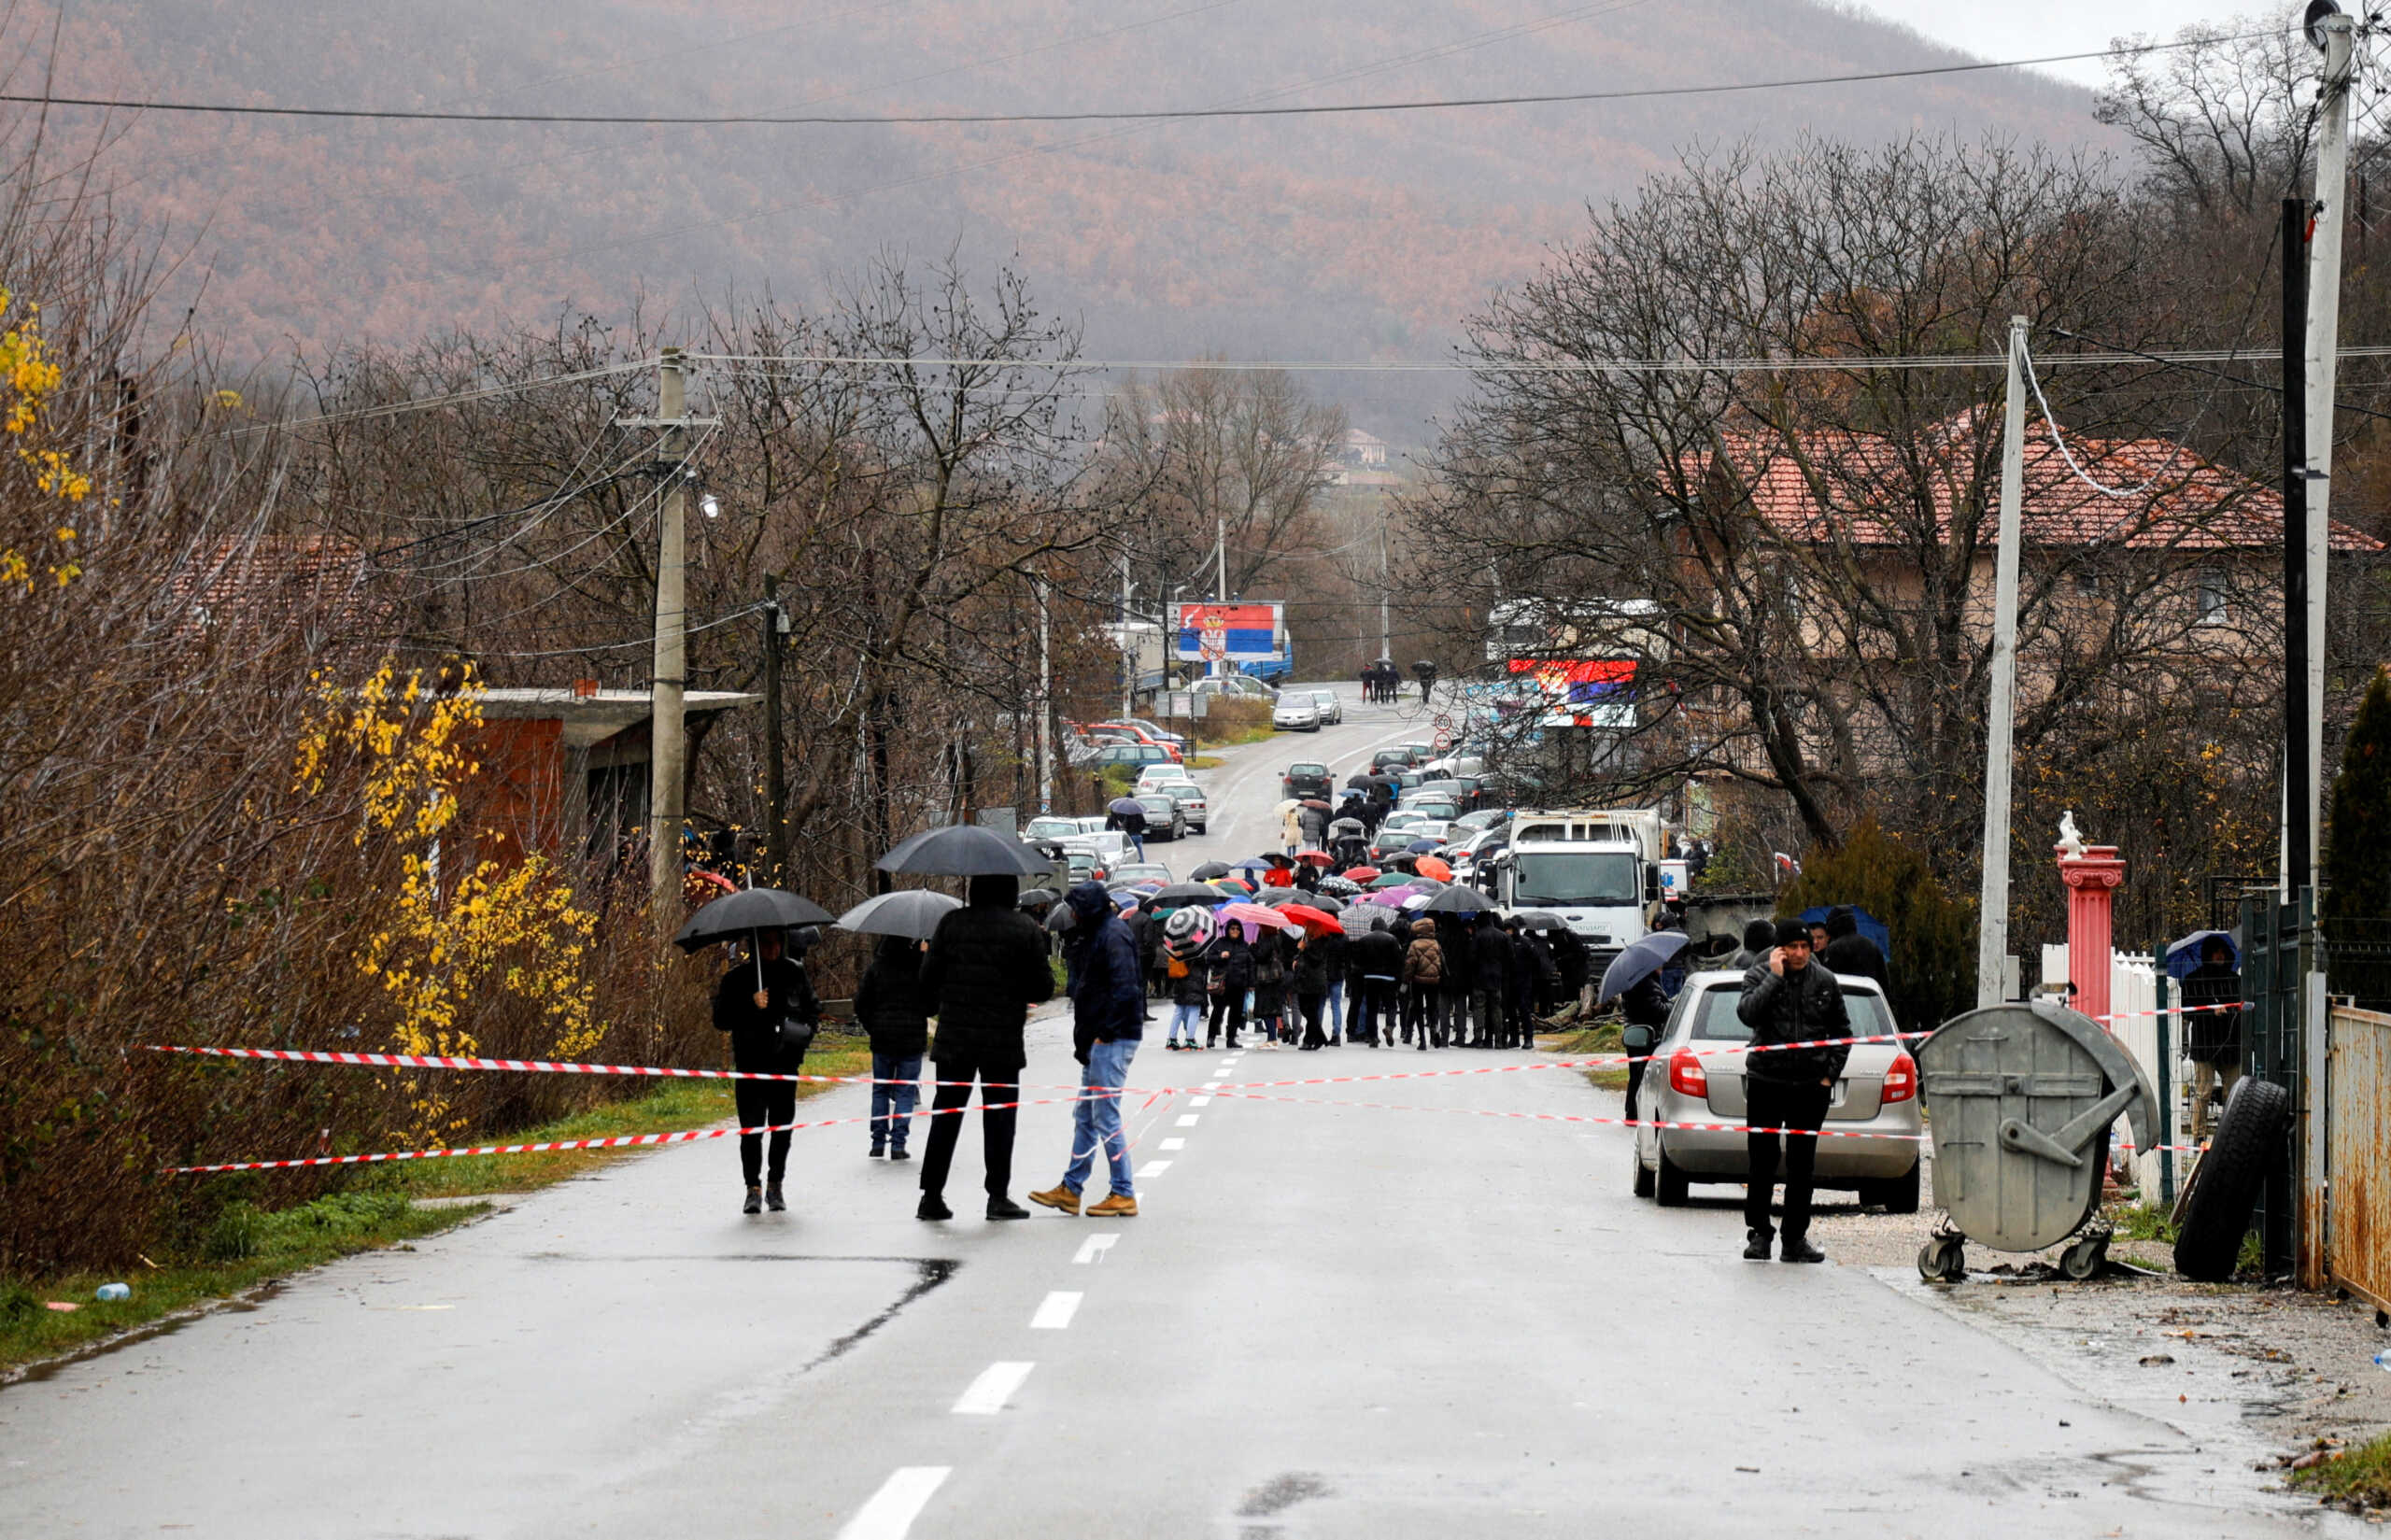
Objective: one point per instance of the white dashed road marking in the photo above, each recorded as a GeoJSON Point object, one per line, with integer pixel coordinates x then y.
{"type": "Point", "coordinates": [1093, 1248]}
{"type": "Point", "coordinates": [1187, 1120]}
{"type": "Point", "coordinates": [1199, 1101]}
{"type": "Point", "coordinates": [899, 1501]}
{"type": "Point", "coordinates": [988, 1394]}
{"type": "Point", "coordinates": [1174, 1144]}
{"type": "Point", "coordinates": [1153, 1168]}
{"type": "Point", "coordinates": [1055, 1312]}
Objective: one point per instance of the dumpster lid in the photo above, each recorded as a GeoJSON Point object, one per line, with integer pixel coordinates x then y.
{"type": "Point", "coordinates": [2117, 1064]}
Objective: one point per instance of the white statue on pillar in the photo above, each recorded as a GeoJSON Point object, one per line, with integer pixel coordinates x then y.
{"type": "Point", "coordinates": [2071, 839]}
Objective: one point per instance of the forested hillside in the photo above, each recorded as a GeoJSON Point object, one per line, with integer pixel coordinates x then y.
{"type": "Point", "coordinates": [1340, 236]}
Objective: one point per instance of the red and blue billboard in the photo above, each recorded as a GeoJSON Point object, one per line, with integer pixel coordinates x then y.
{"type": "Point", "coordinates": [1233, 634]}
{"type": "Point", "coordinates": [1582, 692]}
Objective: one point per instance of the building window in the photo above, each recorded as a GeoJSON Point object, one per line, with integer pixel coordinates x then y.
{"type": "Point", "coordinates": [2088, 583]}
{"type": "Point", "coordinates": [2214, 600]}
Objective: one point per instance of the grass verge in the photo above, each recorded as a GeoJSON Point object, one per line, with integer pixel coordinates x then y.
{"type": "Point", "coordinates": [1603, 1039]}
{"type": "Point", "coordinates": [248, 1246]}
{"type": "Point", "coordinates": [2359, 1478]}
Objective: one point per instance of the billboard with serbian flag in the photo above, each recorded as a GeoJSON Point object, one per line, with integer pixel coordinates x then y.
{"type": "Point", "coordinates": [1231, 634]}
{"type": "Point", "coordinates": [1582, 692]}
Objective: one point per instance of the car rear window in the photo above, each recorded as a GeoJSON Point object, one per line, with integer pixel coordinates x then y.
{"type": "Point", "coordinates": [1306, 770]}
{"type": "Point", "coordinates": [1719, 1022]}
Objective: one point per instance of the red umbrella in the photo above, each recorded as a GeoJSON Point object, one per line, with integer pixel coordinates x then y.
{"type": "Point", "coordinates": [1317, 857]}
{"type": "Point", "coordinates": [1362, 874]}
{"type": "Point", "coordinates": [1237, 883]}
{"type": "Point", "coordinates": [1429, 866]}
{"type": "Point", "coordinates": [1305, 914]}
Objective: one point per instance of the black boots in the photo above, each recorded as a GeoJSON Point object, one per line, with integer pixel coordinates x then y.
{"type": "Point", "coordinates": [933, 1207]}
{"type": "Point", "coordinates": [755, 1204]}
{"type": "Point", "coordinates": [1756, 1245]}
{"type": "Point", "coordinates": [773, 1199]}
{"type": "Point", "coordinates": [1798, 1248]}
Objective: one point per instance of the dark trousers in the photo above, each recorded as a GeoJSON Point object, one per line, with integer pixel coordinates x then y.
{"type": "Point", "coordinates": [1489, 1008]}
{"type": "Point", "coordinates": [763, 1103]}
{"type": "Point", "coordinates": [999, 1088]}
{"type": "Point", "coordinates": [1229, 1008]}
{"type": "Point", "coordinates": [1313, 1006]}
{"type": "Point", "coordinates": [1373, 1011]}
{"type": "Point", "coordinates": [1455, 1026]}
{"type": "Point", "coordinates": [1775, 1104]}
{"type": "Point", "coordinates": [1635, 1084]}
{"type": "Point", "coordinates": [1423, 1011]}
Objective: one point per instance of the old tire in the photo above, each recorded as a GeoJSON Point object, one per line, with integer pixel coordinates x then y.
{"type": "Point", "coordinates": [1670, 1184]}
{"type": "Point", "coordinates": [1643, 1177]}
{"type": "Point", "coordinates": [1897, 1194]}
{"type": "Point", "coordinates": [2249, 1145]}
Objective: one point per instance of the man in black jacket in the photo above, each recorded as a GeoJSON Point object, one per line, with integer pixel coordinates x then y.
{"type": "Point", "coordinates": [752, 1001]}
{"type": "Point", "coordinates": [1490, 966]}
{"type": "Point", "coordinates": [985, 967]}
{"type": "Point", "coordinates": [1373, 964]}
{"type": "Point", "coordinates": [1789, 998]}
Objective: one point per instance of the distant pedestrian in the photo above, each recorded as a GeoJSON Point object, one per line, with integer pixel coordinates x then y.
{"type": "Point", "coordinates": [1183, 979]}
{"type": "Point", "coordinates": [1789, 999]}
{"type": "Point", "coordinates": [1373, 975]}
{"type": "Point", "coordinates": [1268, 1011]}
{"type": "Point", "coordinates": [1146, 931]}
{"type": "Point", "coordinates": [2213, 1035]}
{"type": "Point", "coordinates": [1291, 827]}
{"type": "Point", "coordinates": [1229, 975]}
{"type": "Point", "coordinates": [1759, 937]}
{"type": "Point", "coordinates": [895, 1015]}
{"type": "Point", "coordinates": [986, 965]}
{"type": "Point", "coordinates": [1108, 1022]}
{"type": "Point", "coordinates": [1490, 990]}
{"type": "Point", "coordinates": [1423, 985]}
{"type": "Point", "coordinates": [1819, 937]}
{"type": "Point", "coordinates": [1850, 954]}
{"type": "Point", "coordinates": [768, 1007]}
{"type": "Point", "coordinates": [1459, 944]}
{"type": "Point", "coordinates": [1311, 979]}
{"type": "Point", "coordinates": [1130, 820]}
{"type": "Point", "coordinates": [1645, 1005]}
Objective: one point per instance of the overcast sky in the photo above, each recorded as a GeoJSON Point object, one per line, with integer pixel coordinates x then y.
{"type": "Point", "coordinates": [2029, 29]}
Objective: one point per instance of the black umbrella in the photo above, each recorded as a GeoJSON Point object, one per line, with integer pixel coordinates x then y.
{"type": "Point", "coordinates": [963, 850]}
{"type": "Point", "coordinates": [1036, 897]}
{"type": "Point", "coordinates": [1339, 886]}
{"type": "Point", "coordinates": [1126, 806]}
{"type": "Point", "coordinates": [1536, 919]}
{"type": "Point", "coordinates": [1643, 956]}
{"type": "Point", "coordinates": [737, 914]}
{"type": "Point", "coordinates": [915, 912]}
{"type": "Point", "coordinates": [1209, 870]}
{"type": "Point", "coordinates": [1187, 892]}
{"type": "Point", "coordinates": [1458, 899]}
{"type": "Point", "coordinates": [1358, 783]}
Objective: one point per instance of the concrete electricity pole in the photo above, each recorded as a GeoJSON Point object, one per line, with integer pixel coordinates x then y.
{"type": "Point", "coordinates": [1993, 903]}
{"type": "Point", "coordinates": [669, 754]}
{"type": "Point", "coordinates": [1128, 647]}
{"type": "Point", "coordinates": [1045, 704]}
{"type": "Point", "coordinates": [776, 773]}
{"type": "Point", "coordinates": [2335, 35]}
{"type": "Point", "coordinates": [1386, 591]}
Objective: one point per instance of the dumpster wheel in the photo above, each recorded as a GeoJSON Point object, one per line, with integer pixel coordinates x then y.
{"type": "Point", "coordinates": [2085, 1258]}
{"type": "Point", "coordinates": [1944, 1259]}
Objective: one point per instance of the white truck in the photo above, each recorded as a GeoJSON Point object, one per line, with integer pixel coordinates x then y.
{"type": "Point", "coordinates": [1601, 871]}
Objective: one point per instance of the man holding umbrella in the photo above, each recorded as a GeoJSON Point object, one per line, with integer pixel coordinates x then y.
{"type": "Point", "coordinates": [1129, 816]}
{"type": "Point", "coordinates": [985, 967]}
{"type": "Point", "coordinates": [768, 1008]}
{"type": "Point", "coordinates": [1108, 1022]}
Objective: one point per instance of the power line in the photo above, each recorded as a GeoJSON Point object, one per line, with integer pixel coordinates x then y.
{"type": "Point", "coordinates": [1834, 363]}
{"type": "Point", "coordinates": [1118, 116]}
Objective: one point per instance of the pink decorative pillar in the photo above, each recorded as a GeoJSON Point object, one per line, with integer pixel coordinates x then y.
{"type": "Point", "coordinates": [2093, 874]}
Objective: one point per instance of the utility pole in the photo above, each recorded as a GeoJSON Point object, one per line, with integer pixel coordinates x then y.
{"type": "Point", "coordinates": [1128, 646]}
{"type": "Point", "coordinates": [1386, 592]}
{"type": "Point", "coordinates": [668, 755]}
{"type": "Point", "coordinates": [2298, 772]}
{"type": "Point", "coordinates": [1221, 558]}
{"type": "Point", "coordinates": [2335, 34]}
{"type": "Point", "coordinates": [1045, 704]}
{"type": "Point", "coordinates": [775, 776]}
{"type": "Point", "coordinates": [2000, 721]}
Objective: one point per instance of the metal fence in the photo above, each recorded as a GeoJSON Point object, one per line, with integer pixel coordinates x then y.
{"type": "Point", "coordinates": [2358, 1152]}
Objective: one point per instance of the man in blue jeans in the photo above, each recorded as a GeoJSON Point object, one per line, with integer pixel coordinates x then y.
{"type": "Point", "coordinates": [1108, 1022]}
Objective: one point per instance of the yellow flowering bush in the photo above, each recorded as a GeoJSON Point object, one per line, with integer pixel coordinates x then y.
{"type": "Point", "coordinates": [450, 948]}
{"type": "Point", "coordinates": [28, 377]}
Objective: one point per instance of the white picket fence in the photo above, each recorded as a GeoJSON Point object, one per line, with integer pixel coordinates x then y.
{"type": "Point", "coordinates": [2135, 980]}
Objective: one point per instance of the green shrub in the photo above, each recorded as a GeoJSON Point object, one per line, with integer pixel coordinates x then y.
{"type": "Point", "coordinates": [1933, 961]}
{"type": "Point", "coordinates": [237, 1235]}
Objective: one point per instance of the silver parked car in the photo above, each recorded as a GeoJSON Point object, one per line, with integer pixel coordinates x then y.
{"type": "Point", "coordinates": [1296, 712]}
{"type": "Point", "coordinates": [1696, 1075]}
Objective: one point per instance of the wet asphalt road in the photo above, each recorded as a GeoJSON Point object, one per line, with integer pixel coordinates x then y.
{"type": "Point", "coordinates": [1330, 1320]}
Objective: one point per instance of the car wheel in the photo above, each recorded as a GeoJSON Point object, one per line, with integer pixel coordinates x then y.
{"type": "Point", "coordinates": [1671, 1186]}
{"type": "Point", "coordinates": [1643, 1177]}
{"type": "Point", "coordinates": [2248, 1143]}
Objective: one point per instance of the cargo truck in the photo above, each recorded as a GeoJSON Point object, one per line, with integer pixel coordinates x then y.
{"type": "Point", "coordinates": [1601, 871]}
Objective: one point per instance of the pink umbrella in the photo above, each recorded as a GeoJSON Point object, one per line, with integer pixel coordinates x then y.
{"type": "Point", "coordinates": [1391, 897]}
{"type": "Point", "coordinates": [1257, 914]}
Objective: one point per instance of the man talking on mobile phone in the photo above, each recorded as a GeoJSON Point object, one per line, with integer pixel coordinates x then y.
{"type": "Point", "coordinates": [1789, 997]}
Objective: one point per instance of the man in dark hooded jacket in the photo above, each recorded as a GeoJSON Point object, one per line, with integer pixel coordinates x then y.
{"type": "Point", "coordinates": [1787, 998]}
{"type": "Point", "coordinates": [1849, 954]}
{"type": "Point", "coordinates": [985, 967]}
{"type": "Point", "coordinates": [1108, 1022]}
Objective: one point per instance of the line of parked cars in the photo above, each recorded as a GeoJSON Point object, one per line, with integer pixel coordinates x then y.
{"type": "Point", "coordinates": [1306, 708]}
